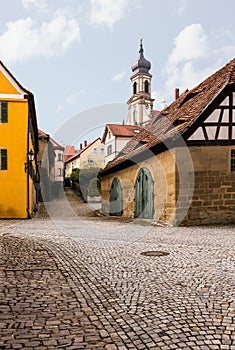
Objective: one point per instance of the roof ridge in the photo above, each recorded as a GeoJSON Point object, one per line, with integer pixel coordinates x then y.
{"type": "Point", "coordinates": [231, 72]}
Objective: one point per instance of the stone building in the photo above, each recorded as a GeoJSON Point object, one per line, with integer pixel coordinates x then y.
{"type": "Point", "coordinates": [180, 169]}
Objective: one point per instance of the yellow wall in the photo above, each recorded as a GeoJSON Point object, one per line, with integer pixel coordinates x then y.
{"type": "Point", "coordinates": [98, 157]}
{"type": "Point", "coordinates": [6, 86]}
{"type": "Point", "coordinates": [13, 181]}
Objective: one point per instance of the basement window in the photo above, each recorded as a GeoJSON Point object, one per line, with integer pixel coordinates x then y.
{"type": "Point", "coordinates": [232, 160]}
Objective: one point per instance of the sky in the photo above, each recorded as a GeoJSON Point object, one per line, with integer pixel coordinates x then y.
{"type": "Point", "coordinates": [74, 55]}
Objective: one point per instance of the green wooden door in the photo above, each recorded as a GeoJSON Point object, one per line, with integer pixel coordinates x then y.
{"type": "Point", "coordinates": [116, 206]}
{"type": "Point", "coordinates": [144, 195]}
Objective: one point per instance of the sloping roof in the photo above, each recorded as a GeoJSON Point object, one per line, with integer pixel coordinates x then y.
{"type": "Point", "coordinates": [56, 144]}
{"type": "Point", "coordinates": [78, 153]}
{"type": "Point", "coordinates": [185, 110]}
{"type": "Point", "coordinates": [121, 130]}
{"type": "Point", "coordinates": [14, 80]}
{"type": "Point", "coordinates": [69, 152]}
{"type": "Point", "coordinates": [43, 135]}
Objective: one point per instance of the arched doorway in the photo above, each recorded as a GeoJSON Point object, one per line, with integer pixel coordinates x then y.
{"type": "Point", "coordinates": [144, 195]}
{"type": "Point", "coordinates": [115, 199]}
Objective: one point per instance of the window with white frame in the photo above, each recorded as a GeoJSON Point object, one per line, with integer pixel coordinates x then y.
{"type": "Point", "coordinates": [109, 150]}
{"type": "Point", "coordinates": [60, 172]}
{"type": "Point", "coordinates": [60, 156]}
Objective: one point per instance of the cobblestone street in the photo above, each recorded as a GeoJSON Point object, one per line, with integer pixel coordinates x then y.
{"type": "Point", "coordinates": [71, 279]}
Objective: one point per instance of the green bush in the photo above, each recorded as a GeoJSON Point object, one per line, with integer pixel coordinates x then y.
{"type": "Point", "coordinates": [94, 187]}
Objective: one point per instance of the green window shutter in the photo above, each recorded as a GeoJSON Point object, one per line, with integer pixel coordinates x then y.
{"type": "Point", "coordinates": [4, 112]}
{"type": "Point", "coordinates": [3, 153]}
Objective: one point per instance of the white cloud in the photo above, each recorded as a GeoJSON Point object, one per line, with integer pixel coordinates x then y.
{"type": "Point", "coordinates": [191, 43]}
{"type": "Point", "coordinates": [192, 60]}
{"type": "Point", "coordinates": [38, 4]}
{"type": "Point", "coordinates": [181, 8]}
{"type": "Point", "coordinates": [107, 12]}
{"type": "Point", "coordinates": [59, 109]}
{"type": "Point", "coordinates": [73, 98]}
{"type": "Point", "coordinates": [24, 39]}
{"type": "Point", "coordinates": [119, 76]}
{"type": "Point", "coordinates": [190, 46]}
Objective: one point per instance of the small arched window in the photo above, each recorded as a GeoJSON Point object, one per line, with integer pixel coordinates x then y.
{"type": "Point", "coordinates": [146, 86]}
{"type": "Point", "coordinates": [135, 88]}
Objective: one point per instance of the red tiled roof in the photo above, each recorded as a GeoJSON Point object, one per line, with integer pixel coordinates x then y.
{"type": "Point", "coordinates": [186, 110]}
{"type": "Point", "coordinates": [69, 152]}
{"type": "Point", "coordinates": [43, 134]}
{"type": "Point", "coordinates": [121, 130]}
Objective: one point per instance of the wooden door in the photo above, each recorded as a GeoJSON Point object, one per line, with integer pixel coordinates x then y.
{"type": "Point", "coordinates": [144, 195]}
{"type": "Point", "coordinates": [116, 202]}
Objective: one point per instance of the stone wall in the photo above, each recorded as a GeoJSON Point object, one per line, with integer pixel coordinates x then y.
{"type": "Point", "coordinates": [214, 189]}
{"type": "Point", "coordinates": [192, 186]}
{"type": "Point", "coordinates": [162, 169]}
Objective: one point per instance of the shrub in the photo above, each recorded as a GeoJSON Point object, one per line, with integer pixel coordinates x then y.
{"type": "Point", "coordinates": [94, 187]}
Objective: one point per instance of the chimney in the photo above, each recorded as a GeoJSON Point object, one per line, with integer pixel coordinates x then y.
{"type": "Point", "coordinates": [177, 93]}
{"type": "Point", "coordinates": [80, 145]}
{"type": "Point", "coordinates": [85, 143]}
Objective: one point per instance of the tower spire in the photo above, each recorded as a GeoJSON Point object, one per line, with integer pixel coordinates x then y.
{"type": "Point", "coordinates": [141, 65]}
{"type": "Point", "coordinates": [140, 104]}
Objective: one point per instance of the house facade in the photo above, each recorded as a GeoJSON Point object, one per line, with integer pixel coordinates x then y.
{"type": "Point", "coordinates": [115, 138]}
{"type": "Point", "coordinates": [89, 155]}
{"type": "Point", "coordinates": [18, 148]}
{"type": "Point", "coordinates": [180, 169]}
{"type": "Point", "coordinates": [51, 166]}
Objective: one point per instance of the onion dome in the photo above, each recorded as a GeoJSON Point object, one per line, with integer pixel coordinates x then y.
{"type": "Point", "coordinates": [141, 65]}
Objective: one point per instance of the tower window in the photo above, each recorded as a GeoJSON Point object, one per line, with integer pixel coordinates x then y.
{"type": "Point", "coordinates": [146, 87]}
{"type": "Point", "coordinates": [135, 88]}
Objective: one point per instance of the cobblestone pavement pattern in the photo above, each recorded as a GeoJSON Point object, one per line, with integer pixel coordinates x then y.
{"type": "Point", "coordinates": [70, 282]}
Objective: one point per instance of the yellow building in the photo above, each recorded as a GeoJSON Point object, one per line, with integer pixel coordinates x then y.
{"type": "Point", "coordinates": [18, 148]}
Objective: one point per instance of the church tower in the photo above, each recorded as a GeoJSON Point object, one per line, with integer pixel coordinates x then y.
{"type": "Point", "coordinates": [140, 105]}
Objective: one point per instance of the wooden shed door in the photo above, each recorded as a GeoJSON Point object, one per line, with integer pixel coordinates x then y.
{"type": "Point", "coordinates": [116, 206]}
{"type": "Point", "coordinates": [144, 203]}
